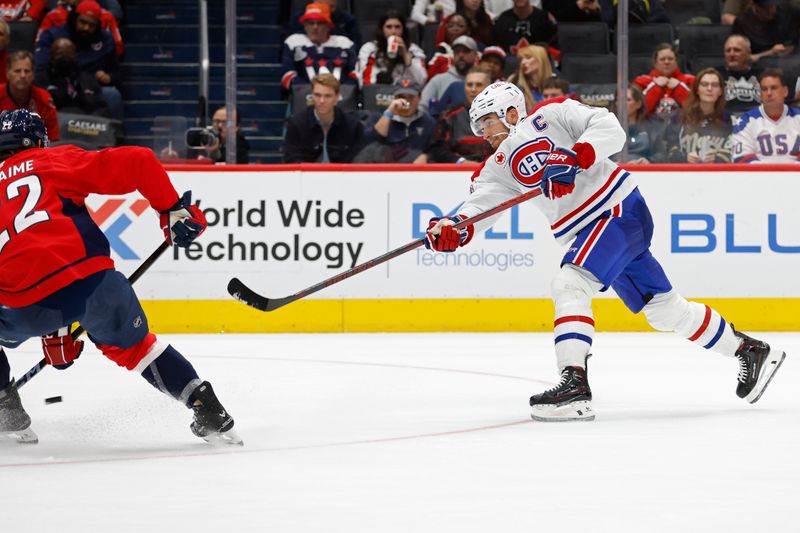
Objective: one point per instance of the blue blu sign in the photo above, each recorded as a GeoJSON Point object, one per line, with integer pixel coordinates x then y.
{"type": "Point", "coordinates": [704, 235]}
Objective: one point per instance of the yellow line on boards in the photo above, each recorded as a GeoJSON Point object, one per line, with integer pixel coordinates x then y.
{"type": "Point", "coordinates": [337, 316]}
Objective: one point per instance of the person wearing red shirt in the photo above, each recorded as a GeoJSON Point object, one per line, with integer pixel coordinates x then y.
{"type": "Point", "coordinates": [56, 269]}
{"type": "Point", "coordinates": [58, 16]}
{"type": "Point", "coordinates": [666, 87]}
{"type": "Point", "coordinates": [20, 92]}
{"type": "Point", "coordinates": [23, 10]}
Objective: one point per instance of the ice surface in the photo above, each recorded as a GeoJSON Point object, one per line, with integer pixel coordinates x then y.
{"type": "Point", "coordinates": [410, 433]}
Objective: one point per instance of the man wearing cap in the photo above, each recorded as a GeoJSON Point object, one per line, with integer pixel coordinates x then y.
{"type": "Point", "coordinates": [343, 23]}
{"type": "Point", "coordinates": [465, 53]}
{"type": "Point", "coordinates": [316, 51]}
{"type": "Point", "coordinates": [96, 51]}
{"type": "Point", "coordinates": [493, 61]}
{"type": "Point", "coordinates": [773, 28]}
{"type": "Point", "coordinates": [59, 14]}
{"type": "Point", "coordinates": [402, 133]}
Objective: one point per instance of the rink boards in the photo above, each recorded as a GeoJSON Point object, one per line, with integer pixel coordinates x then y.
{"type": "Point", "coordinates": [727, 235]}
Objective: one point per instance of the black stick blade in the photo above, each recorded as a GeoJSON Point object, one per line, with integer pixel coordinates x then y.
{"type": "Point", "coordinates": [246, 295]}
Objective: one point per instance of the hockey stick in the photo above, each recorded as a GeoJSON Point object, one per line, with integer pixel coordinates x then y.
{"type": "Point", "coordinates": [79, 330]}
{"type": "Point", "coordinates": [246, 295]}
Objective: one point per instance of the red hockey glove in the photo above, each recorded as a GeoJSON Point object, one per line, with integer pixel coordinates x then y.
{"type": "Point", "coordinates": [183, 222]}
{"type": "Point", "coordinates": [443, 237]}
{"type": "Point", "coordinates": [558, 178]}
{"type": "Point", "coordinates": [59, 348]}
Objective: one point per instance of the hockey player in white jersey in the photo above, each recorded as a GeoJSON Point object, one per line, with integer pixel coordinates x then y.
{"type": "Point", "coordinates": [594, 205]}
{"type": "Point", "coordinates": [769, 133]}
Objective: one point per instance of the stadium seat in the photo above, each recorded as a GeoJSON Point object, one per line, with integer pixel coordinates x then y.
{"type": "Point", "coordinates": [377, 97]}
{"type": "Point", "coordinates": [583, 38]}
{"type": "Point", "coordinates": [699, 62]}
{"type": "Point", "coordinates": [702, 39]}
{"type": "Point", "coordinates": [642, 38]}
{"type": "Point", "coordinates": [589, 68]}
{"type": "Point", "coordinates": [301, 97]}
{"type": "Point", "coordinates": [98, 132]}
{"type": "Point", "coordinates": [682, 11]}
{"type": "Point", "coordinates": [23, 35]}
{"type": "Point", "coordinates": [429, 39]}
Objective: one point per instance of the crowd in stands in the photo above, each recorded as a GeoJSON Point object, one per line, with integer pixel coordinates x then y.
{"type": "Point", "coordinates": [416, 75]}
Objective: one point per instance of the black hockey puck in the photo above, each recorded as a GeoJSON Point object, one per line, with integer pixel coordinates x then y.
{"type": "Point", "coordinates": [53, 399]}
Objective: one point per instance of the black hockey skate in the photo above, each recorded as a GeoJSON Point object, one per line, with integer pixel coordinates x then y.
{"type": "Point", "coordinates": [15, 424]}
{"type": "Point", "coordinates": [570, 400]}
{"type": "Point", "coordinates": [757, 366]}
{"type": "Point", "coordinates": [212, 422]}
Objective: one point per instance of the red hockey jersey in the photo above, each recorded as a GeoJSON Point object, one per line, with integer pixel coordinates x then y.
{"type": "Point", "coordinates": [47, 239]}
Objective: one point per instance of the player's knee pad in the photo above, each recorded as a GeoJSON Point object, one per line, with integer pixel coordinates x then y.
{"type": "Point", "coordinates": [574, 283]}
{"type": "Point", "coordinates": [670, 311]}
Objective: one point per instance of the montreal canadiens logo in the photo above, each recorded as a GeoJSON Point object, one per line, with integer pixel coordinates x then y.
{"type": "Point", "coordinates": [527, 161]}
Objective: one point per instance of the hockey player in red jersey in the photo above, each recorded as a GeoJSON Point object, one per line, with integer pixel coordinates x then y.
{"type": "Point", "coordinates": [55, 267]}
{"type": "Point", "coordinates": [593, 205]}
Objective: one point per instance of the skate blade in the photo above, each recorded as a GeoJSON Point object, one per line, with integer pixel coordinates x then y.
{"type": "Point", "coordinates": [227, 438]}
{"type": "Point", "coordinates": [774, 362]}
{"type": "Point", "coordinates": [570, 412]}
{"type": "Point", "coordinates": [25, 436]}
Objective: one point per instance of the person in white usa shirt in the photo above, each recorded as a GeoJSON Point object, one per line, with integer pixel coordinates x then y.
{"type": "Point", "coordinates": [594, 205]}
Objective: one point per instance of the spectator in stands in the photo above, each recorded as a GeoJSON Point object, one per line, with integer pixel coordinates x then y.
{"type": "Point", "coordinates": [741, 76]}
{"type": "Point", "coordinates": [479, 23]}
{"type": "Point", "coordinates": [702, 131]}
{"type": "Point", "coordinates": [443, 57]}
{"type": "Point", "coordinates": [493, 61]}
{"type": "Point", "coordinates": [770, 133]}
{"type": "Point", "coordinates": [666, 87]}
{"type": "Point", "coordinates": [216, 152]}
{"type": "Point", "coordinates": [555, 88]}
{"type": "Point", "coordinates": [377, 64]}
{"type": "Point", "coordinates": [432, 11]}
{"type": "Point", "coordinates": [733, 8]}
{"type": "Point", "coordinates": [316, 51]}
{"type": "Point", "coordinates": [23, 10]}
{"type": "Point", "coordinates": [5, 38]}
{"type": "Point", "coordinates": [639, 12]}
{"type": "Point", "coordinates": [573, 10]}
{"type": "Point", "coordinates": [402, 133]}
{"type": "Point", "coordinates": [454, 141]}
{"type": "Point", "coordinates": [522, 25]}
{"type": "Point", "coordinates": [322, 133]}
{"type": "Point", "coordinates": [645, 136]}
{"type": "Point", "coordinates": [20, 93]}
{"type": "Point", "coordinates": [58, 16]}
{"type": "Point", "coordinates": [73, 91]}
{"type": "Point", "coordinates": [773, 28]}
{"type": "Point", "coordinates": [534, 68]}
{"type": "Point", "coordinates": [465, 51]}
{"type": "Point", "coordinates": [96, 51]}
{"type": "Point", "coordinates": [344, 23]}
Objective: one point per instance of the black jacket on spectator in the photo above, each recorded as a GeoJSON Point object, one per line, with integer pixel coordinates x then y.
{"type": "Point", "coordinates": [639, 12]}
{"type": "Point", "coordinates": [568, 11]}
{"type": "Point", "coordinates": [73, 91]}
{"type": "Point", "coordinates": [763, 35]}
{"type": "Point", "coordinates": [304, 137]}
{"type": "Point", "coordinates": [454, 139]}
{"type": "Point", "coordinates": [510, 32]}
{"type": "Point", "coordinates": [242, 151]}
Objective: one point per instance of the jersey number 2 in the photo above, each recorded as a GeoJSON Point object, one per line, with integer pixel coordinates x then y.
{"type": "Point", "coordinates": [26, 217]}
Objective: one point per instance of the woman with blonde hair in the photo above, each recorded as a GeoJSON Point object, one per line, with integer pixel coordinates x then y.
{"type": "Point", "coordinates": [702, 132]}
{"type": "Point", "coordinates": [534, 68]}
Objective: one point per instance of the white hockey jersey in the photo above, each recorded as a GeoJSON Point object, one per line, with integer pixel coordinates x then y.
{"type": "Point", "coordinates": [759, 139]}
{"type": "Point", "coordinates": [517, 164]}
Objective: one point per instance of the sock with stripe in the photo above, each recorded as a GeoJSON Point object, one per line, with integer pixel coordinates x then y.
{"type": "Point", "coordinates": [172, 374]}
{"type": "Point", "coordinates": [573, 327]}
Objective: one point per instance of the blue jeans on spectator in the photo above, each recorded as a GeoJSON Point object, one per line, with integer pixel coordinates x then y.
{"type": "Point", "coordinates": [114, 100]}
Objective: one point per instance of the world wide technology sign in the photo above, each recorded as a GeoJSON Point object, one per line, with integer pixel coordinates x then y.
{"type": "Point", "coordinates": [717, 234]}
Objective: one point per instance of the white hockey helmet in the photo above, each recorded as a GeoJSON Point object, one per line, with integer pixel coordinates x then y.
{"type": "Point", "coordinates": [496, 98]}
